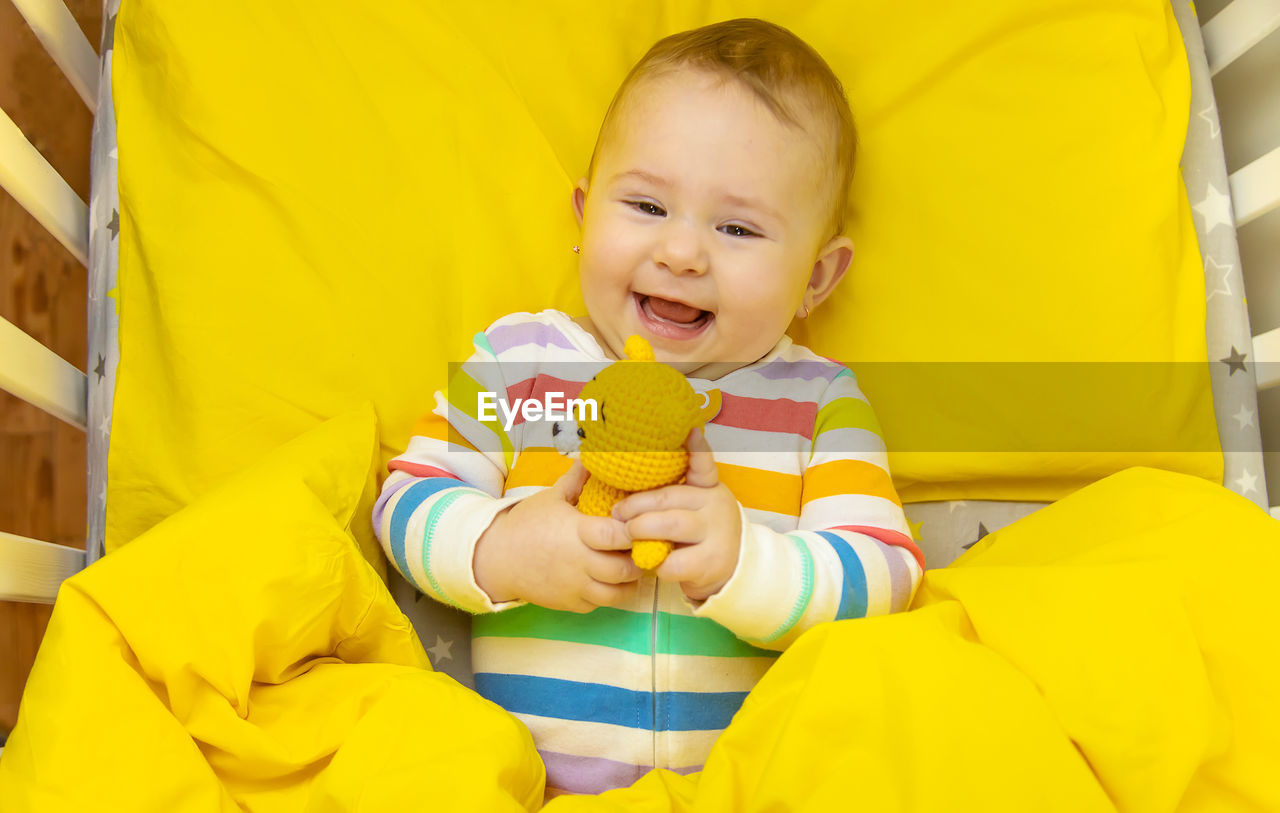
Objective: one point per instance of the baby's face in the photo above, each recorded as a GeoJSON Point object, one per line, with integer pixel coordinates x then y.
{"type": "Point", "coordinates": [702, 224]}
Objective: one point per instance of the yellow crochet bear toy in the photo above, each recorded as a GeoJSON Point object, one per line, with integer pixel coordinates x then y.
{"type": "Point", "coordinates": [644, 412]}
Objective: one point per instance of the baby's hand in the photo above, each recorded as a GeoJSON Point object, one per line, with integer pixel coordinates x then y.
{"type": "Point", "coordinates": [702, 516]}
{"type": "Point", "coordinates": [543, 550]}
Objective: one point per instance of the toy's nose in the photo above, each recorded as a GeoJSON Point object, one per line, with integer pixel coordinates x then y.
{"type": "Point", "coordinates": [567, 436]}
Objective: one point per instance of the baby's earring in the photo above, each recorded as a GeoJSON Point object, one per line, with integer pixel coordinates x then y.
{"type": "Point", "coordinates": [805, 315]}
{"type": "Point", "coordinates": [576, 249]}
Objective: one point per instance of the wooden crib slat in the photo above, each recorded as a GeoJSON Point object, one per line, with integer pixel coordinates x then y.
{"type": "Point", "coordinates": [1237, 28]}
{"type": "Point", "coordinates": [1255, 188]}
{"type": "Point", "coordinates": [53, 25]}
{"type": "Point", "coordinates": [39, 189]}
{"type": "Point", "coordinates": [1266, 357]}
{"type": "Point", "coordinates": [33, 570]}
{"type": "Point", "coordinates": [41, 377]}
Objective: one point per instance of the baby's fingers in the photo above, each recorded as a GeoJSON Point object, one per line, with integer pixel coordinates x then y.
{"type": "Point", "coordinates": [569, 486]}
{"type": "Point", "coordinates": [702, 463]}
{"type": "Point", "coordinates": [666, 498]}
{"type": "Point", "coordinates": [612, 568]}
{"type": "Point", "coordinates": [673, 526]}
{"type": "Point", "coordinates": [603, 533]}
{"type": "Point", "coordinates": [600, 594]}
{"type": "Point", "coordinates": [690, 572]}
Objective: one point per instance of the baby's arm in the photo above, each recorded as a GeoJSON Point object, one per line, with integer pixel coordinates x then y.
{"type": "Point", "coordinates": [851, 555]}
{"type": "Point", "coordinates": [543, 550]}
{"type": "Point", "coordinates": [701, 515]}
{"type": "Point", "coordinates": [448, 530]}
{"type": "Point", "coordinates": [440, 497]}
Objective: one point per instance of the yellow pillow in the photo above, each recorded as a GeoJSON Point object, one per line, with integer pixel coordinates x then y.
{"type": "Point", "coordinates": [321, 208]}
{"type": "Point", "coordinates": [1021, 227]}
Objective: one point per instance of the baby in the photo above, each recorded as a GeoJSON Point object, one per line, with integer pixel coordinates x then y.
{"type": "Point", "coordinates": [711, 217]}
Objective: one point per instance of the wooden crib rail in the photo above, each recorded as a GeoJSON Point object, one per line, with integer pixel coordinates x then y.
{"type": "Point", "coordinates": [1255, 188]}
{"type": "Point", "coordinates": [41, 377]}
{"type": "Point", "coordinates": [38, 188]}
{"type": "Point", "coordinates": [56, 28]}
{"type": "Point", "coordinates": [1266, 349]}
{"type": "Point", "coordinates": [1240, 25]}
{"type": "Point", "coordinates": [32, 569]}
{"type": "Point", "coordinates": [29, 370]}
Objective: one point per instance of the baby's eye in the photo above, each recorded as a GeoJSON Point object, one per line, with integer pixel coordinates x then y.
{"type": "Point", "coordinates": [738, 231]}
{"type": "Point", "coordinates": [648, 208]}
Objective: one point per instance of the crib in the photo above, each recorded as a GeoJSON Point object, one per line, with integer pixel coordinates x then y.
{"type": "Point", "coordinates": [1239, 46]}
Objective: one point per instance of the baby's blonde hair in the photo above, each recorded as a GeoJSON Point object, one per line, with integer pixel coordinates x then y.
{"type": "Point", "coordinates": [783, 71]}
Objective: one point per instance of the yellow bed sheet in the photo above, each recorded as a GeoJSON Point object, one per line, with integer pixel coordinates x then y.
{"type": "Point", "coordinates": [321, 205]}
{"type": "Point", "coordinates": [1107, 653]}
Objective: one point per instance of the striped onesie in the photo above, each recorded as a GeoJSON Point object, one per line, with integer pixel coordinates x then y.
{"type": "Point", "coordinates": [611, 693]}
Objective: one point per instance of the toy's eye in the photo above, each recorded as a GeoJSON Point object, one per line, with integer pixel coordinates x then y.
{"type": "Point", "coordinates": [582, 433]}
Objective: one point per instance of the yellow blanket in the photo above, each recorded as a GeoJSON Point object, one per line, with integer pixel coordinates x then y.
{"type": "Point", "coordinates": [243, 655]}
{"type": "Point", "coordinates": [1113, 651]}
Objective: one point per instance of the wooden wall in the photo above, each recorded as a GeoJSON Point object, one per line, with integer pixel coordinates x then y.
{"type": "Point", "coordinates": [43, 292]}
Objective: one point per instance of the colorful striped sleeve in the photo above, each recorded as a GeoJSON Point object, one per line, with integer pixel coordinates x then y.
{"type": "Point", "coordinates": [446, 488]}
{"type": "Point", "coordinates": [851, 554]}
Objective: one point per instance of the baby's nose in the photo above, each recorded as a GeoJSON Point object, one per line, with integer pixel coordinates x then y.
{"type": "Point", "coordinates": [680, 249]}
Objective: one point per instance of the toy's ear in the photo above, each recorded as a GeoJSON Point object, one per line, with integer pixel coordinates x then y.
{"type": "Point", "coordinates": [637, 348]}
{"type": "Point", "coordinates": [710, 406]}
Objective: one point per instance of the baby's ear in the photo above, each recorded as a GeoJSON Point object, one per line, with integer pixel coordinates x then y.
{"type": "Point", "coordinates": [579, 198]}
{"type": "Point", "coordinates": [833, 260]}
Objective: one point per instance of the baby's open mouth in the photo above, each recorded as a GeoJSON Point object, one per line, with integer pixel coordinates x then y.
{"type": "Point", "coordinates": [668, 317]}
